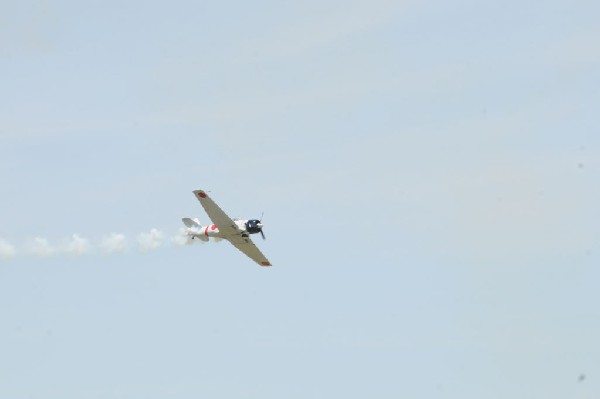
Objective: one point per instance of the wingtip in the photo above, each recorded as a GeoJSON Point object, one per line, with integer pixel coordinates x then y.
{"type": "Point", "coordinates": [200, 193]}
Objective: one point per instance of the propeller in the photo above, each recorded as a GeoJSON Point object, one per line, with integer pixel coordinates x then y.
{"type": "Point", "coordinates": [254, 226]}
{"type": "Point", "coordinates": [261, 227]}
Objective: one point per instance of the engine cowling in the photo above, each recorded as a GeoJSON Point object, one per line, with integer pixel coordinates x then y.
{"type": "Point", "coordinates": [253, 226]}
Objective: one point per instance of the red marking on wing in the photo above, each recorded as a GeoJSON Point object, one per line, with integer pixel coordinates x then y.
{"type": "Point", "coordinates": [213, 227]}
{"type": "Point", "coordinates": [265, 263]}
{"type": "Point", "coordinates": [202, 195]}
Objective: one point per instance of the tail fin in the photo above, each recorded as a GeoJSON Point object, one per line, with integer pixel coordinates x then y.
{"type": "Point", "coordinates": [191, 222]}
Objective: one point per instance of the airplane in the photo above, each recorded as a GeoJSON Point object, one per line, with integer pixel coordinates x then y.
{"type": "Point", "coordinates": [236, 231]}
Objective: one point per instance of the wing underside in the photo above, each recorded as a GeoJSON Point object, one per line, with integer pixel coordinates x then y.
{"type": "Point", "coordinates": [245, 245]}
{"type": "Point", "coordinates": [219, 218]}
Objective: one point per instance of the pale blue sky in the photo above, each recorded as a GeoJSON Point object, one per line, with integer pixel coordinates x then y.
{"type": "Point", "coordinates": [428, 173]}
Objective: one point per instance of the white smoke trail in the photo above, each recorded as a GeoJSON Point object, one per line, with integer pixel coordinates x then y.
{"type": "Point", "coordinates": [7, 250]}
{"type": "Point", "coordinates": [40, 247]}
{"type": "Point", "coordinates": [151, 240]}
{"type": "Point", "coordinates": [77, 246]}
{"type": "Point", "coordinates": [182, 239]}
{"type": "Point", "coordinates": [114, 243]}
{"type": "Point", "coordinates": [110, 244]}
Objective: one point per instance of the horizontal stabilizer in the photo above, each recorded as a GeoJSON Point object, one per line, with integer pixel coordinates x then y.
{"type": "Point", "coordinates": [191, 222]}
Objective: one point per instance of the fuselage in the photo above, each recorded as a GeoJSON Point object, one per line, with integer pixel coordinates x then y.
{"type": "Point", "coordinates": [211, 230]}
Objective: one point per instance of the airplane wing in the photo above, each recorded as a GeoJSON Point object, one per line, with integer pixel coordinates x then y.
{"type": "Point", "coordinates": [229, 229]}
{"type": "Point", "coordinates": [216, 214]}
{"type": "Point", "coordinates": [246, 245]}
